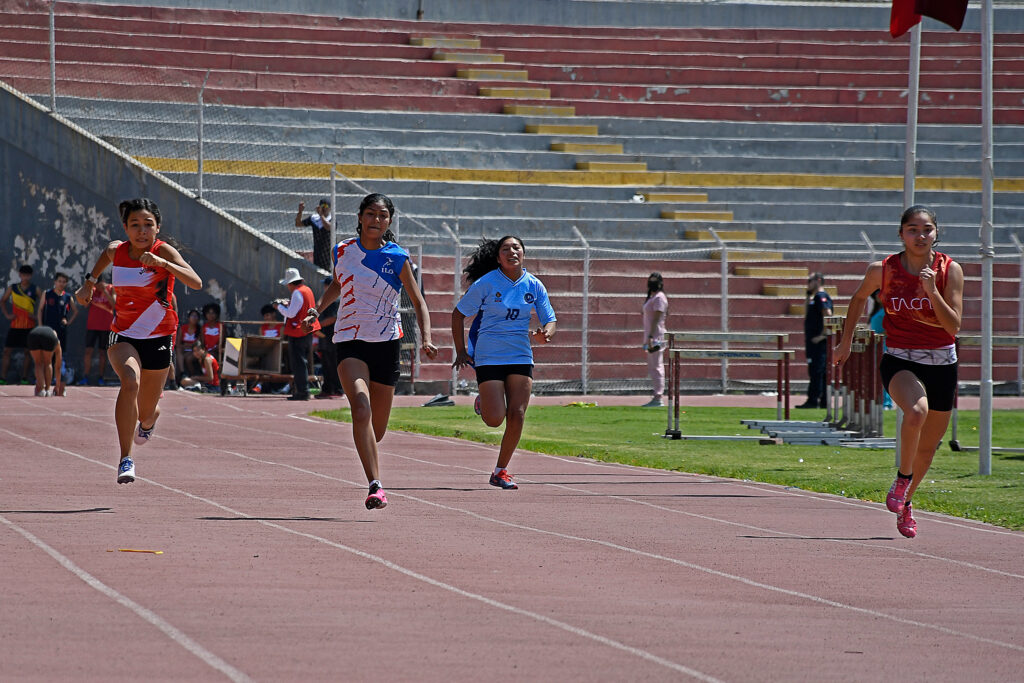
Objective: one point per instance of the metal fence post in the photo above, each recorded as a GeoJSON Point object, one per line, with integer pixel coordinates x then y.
{"type": "Point", "coordinates": [53, 60]}
{"type": "Point", "coordinates": [1020, 312]}
{"type": "Point", "coordinates": [870, 246]}
{"type": "Point", "coordinates": [724, 305]}
{"type": "Point", "coordinates": [334, 205]}
{"type": "Point", "coordinates": [199, 133]}
{"type": "Point", "coordinates": [456, 286]}
{"type": "Point", "coordinates": [585, 324]}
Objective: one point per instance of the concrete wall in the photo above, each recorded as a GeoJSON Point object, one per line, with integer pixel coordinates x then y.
{"type": "Point", "coordinates": [58, 210]}
{"type": "Point", "coordinates": [688, 13]}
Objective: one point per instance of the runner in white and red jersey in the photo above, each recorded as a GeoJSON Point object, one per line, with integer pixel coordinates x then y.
{"type": "Point", "coordinates": [922, 291]}
{"type": "Point", "coordinates": [369, 273]}
{"type": "Point", "coordinates": [141, 338]}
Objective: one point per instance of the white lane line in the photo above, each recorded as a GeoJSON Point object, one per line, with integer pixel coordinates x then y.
{"type": "Point", "coordinates": [175, 634]}
{"type": "Point", "coordinates": [873, 507]}
{"type": "Point", "coordinates": [564, 626]}
{"type": "Point", "coordinates": [615, 546]}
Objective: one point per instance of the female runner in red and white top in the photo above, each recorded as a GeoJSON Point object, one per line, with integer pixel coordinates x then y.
{"type": "Point", "coordinates": [141, 337]}
{"type": "Point", "coordinates": [922, 291]}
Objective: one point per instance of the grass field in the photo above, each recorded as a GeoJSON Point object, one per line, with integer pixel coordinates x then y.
{"type": "Point", "coordinates": [633, 436]}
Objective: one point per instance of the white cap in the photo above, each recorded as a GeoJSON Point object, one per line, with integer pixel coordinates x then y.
{"type": "Point", "coordinates": [290, 275]}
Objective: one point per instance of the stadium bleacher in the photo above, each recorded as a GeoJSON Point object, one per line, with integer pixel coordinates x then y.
{"type": "Point", "coordinates": [788, 142]}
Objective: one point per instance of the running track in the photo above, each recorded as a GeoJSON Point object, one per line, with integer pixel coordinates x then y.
{"type": "Point", "coordinates": [273, 570]}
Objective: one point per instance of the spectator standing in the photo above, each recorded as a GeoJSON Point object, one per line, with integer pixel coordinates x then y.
{"type": "Point", "coordinates": [328, 352]}
{"type": "Point", "coordinates": [819, 306]}
{"type": "Point", "coordinates": [24, 297]}
{"type": "Point", "coordinates": [300, 337]}
{"type": "Point", "coordinates": [58, 309]}
{"type": "Point", "coordinates": [48, 357]}
{"type": "Point", "coordinates": [97, 330]}
{"type": "Point", "coordinates": [320, 221]}
{"type": "Point", "coordinates": [655, 313]}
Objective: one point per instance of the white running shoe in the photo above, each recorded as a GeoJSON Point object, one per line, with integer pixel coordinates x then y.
{"type": "Point", "coordinates": [142, 436]}
{"type": "Point", "coordinates": [126, 471]}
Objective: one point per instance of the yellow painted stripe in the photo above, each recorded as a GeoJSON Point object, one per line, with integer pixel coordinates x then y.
{"type": "Point", "coordinates": [587, 147]}
{"type": "Point", "coordinates": [445, 42]}
{"type": "Point", "coordinates": [468, 57]}
{"type": "Point", "coordinates": [628, 166]}
{"type": "Point", "coordinates": [292, 169]}
{"type": "Point", "coordinates": [538, 110]}
{"type": "Point", "coordinates": [726, 235]}
{"type": "Point", "coordinates": [794, 290]}
{"type": "Point", "coordinates": [525, 93]}
{"type": "Point", "coordinates": [749, 255]}
{"type": "Point", "coordinates": [492, 74]}
{"type": "Point", "coordinates": [560, 129]}
{"type": "Point", "coordinates": [675, 197]}
{"type": "Point", "coordinates": [800, 309]}
{"type": "Point", "coordinates": [769, 271]}
{"type": "Point", "coordinates": [697, 215]}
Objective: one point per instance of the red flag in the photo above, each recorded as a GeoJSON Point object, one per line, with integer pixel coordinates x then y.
{"type": "Point", "coordinates": [903, 17]}
{"type": "Point", "coordinates": [949, 12]}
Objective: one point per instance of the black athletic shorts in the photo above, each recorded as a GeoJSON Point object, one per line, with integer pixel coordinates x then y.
{"type": "Point", "coordinates": [486, 373]}
{"type": "Point", "coordinates": [939, 381]}
{"type": "Point", "coordinates": [380, 357]}
{"type": "Point", "coordinates": [17, 338]}
{"type": "Point", "coordinates": [99, 339]}
{"type": "Point", "coordinates": [154, 354]}
{"type": "Point", "coordinates": [42, 338]}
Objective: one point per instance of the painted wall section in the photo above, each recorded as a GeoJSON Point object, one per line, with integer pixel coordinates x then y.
{"type": "Point", "coordinates": [58, 210]}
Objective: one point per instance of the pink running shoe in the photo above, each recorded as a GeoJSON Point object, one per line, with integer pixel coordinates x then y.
{"type": "Point", "coordinates": [476, 404]}
{"type": "Point", "coordinates": [897, 494]}
{"type": "Point", "coordinates": [905, 522]}
{"type": "Point", "coordinates": [376, 500]}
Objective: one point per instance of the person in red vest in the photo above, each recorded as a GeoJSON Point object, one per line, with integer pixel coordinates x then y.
{"type": "Point", "coordinates": [142, 334]}
{"type": "Point", "coordinates": [922, 291]}
{"type": "Point", "coordinates": [300, 337]}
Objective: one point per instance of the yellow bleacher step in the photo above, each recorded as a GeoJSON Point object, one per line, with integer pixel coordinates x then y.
{"type": "Point", "coordinates": [794, 290]}
{"type": "Point", "coordinates": [468, 57]}
{"type": "Point", "coordinates": [749, 255]}
{"type": "Point", "coordinates": [492, 74]}
{"type": "Point", "coordinates": [770, 271]}
{"type": "Point", "coordinates": [675, 215]}
{"type": "Point", "coordinates": [525, 93]}
{"type": "Point", "coordinates": [800, 309]}
{"type": "Point", "coordinates": [611, 166]}
{"type": "Point", "coordinates": [725, 235]}
{"type": "Point", "coordinates": [673, 197]}
{"type": "Point", "coordinates": [587, 147]}
{"type": "Point", "coordinates": [539, 110]}
{"type": "Point", "coordinates": [436, 41]}
{"type": "Point", "coordinates": [560, 129]}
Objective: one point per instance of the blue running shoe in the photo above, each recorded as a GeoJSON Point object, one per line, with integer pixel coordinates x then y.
{"type": "Point", "coordinates": [142, 436]}
{"type": "Point", "coordinates": [126, 471]}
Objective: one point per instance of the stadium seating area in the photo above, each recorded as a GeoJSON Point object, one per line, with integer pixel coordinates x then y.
{"type": "Point", "coordinates": [789, 143]}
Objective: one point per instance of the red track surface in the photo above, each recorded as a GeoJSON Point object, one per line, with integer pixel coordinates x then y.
{"type": "Point", "coordinates": [273, 570]}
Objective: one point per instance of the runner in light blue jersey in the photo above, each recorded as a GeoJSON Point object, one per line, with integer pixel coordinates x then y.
{"type": "Point", "coordinates": [500, 298]}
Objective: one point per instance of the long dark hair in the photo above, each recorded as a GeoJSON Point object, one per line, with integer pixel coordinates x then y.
{"type": "Point", "coordinates": [378, 198]}
{"type": "Point", "coordinates": [655, 284]}
{"type": "Point", "coordinates": [916, 209]}
{"type": "Point", "coordinates": [485, 258]}
{"type": "Point", "coordinates": [130, 206]}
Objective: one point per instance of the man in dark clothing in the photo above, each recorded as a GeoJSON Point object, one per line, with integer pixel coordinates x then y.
{"type": "Point", "coordinates": [328, 352]}
{"type": "Point", "coordinates": [58, 309]}
{"type": "Point", "coordinates": [819, 305]}
{"type": "Point", "coordinates": [320, 221]}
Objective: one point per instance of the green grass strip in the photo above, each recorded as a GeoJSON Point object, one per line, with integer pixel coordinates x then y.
{"type": "Point", "coordinates": [633, 436]}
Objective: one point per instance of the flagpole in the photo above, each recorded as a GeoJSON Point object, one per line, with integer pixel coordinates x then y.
{"type": "Point", "coordinates": [986, 250]}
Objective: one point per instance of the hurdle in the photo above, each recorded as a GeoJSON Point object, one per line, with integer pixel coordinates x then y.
{"type": "Point", "coordinates": [854, 395]}
{"type": "Point", "coordinates": [676, 357]}
{"type": "Point", "coordinates": [975, 340]}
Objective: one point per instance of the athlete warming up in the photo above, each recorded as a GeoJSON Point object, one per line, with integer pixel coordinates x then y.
{"type": "Point", "coordinates": [500, 297]}
{"type": "Point", "coordinates": [141, 348]}
{"type": "Point", "coordinates": [369, 273]}
{"type": "Point", "coordinates": [922, 292]}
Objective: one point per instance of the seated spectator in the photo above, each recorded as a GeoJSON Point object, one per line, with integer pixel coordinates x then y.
{"type": "Point", "coordinates": [272, 324]}
{"type": "Point", "coordinates": [209, 380]}
{"type": "Point", "coordinates": [44, 345]}
{"type": "Point", "coordinates": [212, 327]}
{"type": "Point", "coordinates": [190, 330]}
